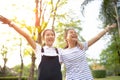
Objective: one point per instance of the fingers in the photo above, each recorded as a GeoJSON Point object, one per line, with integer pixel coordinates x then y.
{"type": "Point", "coordinates": [4, 20]}
{"type": "Point", "coordinates": [109, 27]}
{"type": "Point", "coordinates": [113, 25]}
{"type": "Point", "coordinates": [1, 18]}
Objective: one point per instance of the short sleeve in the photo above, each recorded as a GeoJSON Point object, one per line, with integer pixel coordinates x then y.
{"type": "Point", "coordinates": [38, 49]}
{"type": "Point", "coordinates": [60, 54]}
{"type": "Point", "coordinates": [38, 54]}
{"type": "Point", "coordinates": [85, 44]}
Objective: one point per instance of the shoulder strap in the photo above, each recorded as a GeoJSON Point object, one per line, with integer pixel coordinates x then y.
{"type": "Point", "coordinates": [42, 50]}
{"type": "Point", "coordinates": [56, 50]}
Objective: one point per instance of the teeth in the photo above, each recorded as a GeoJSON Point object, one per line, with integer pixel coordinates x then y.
{"type": "Point", "coordinates": [73, 36]}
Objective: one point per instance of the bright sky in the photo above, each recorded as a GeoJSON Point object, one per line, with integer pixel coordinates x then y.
{"type": "Point", "coordinates": [90, 24]}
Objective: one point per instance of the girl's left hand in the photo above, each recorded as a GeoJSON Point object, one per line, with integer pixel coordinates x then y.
{"type": "Point", "coordinates": [110, 26]}
{"type": "Point", "coordinates": [113, 25]}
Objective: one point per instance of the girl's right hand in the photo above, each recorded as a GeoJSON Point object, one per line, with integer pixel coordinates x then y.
{"type": "Point", "coordinates": [4, 20]}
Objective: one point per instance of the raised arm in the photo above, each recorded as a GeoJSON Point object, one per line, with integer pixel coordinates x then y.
{"type": "Point", "coordinates": [19, 30]}
{"type": "Point", "coordinates": [99, 35]}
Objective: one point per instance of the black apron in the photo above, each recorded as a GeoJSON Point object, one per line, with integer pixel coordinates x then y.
{"type": "Point", "coordinates": [49, 68]}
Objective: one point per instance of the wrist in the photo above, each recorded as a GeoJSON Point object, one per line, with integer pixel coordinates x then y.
{"type": "Point", "coordinates": [107, 29]}
{"type": "Point", "coordinates": [10, 23]}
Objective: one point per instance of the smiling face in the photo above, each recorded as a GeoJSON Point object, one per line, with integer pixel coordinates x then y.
{"type": "Point", "coordinates": [71, 35]}
{"type": "Point", "coordinates": [49, 37]}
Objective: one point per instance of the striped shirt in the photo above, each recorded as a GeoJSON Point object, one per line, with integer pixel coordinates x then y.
{"type": "Point", "coordinates": [76, 64]}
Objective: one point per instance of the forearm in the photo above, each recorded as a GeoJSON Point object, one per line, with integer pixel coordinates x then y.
{"type": "Point", "coordinates": [24, 34]}
{"type": "Point", "coordinates": [98, 36]}
{"type": "Point", "coordinates": [18, 29]}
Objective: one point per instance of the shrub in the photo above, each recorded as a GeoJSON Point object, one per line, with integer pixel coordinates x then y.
{"type": "Point", "coordinates": [99, 73]}
{"type": "Point", "coordinates": [16, 78]}
{"type": "Point", "coordinates": [12, 78]}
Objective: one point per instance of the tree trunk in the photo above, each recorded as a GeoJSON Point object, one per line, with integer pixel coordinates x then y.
{"type": "Point", "coordinates": [21, 67]}
{"type": "Point", "coordinates": [21, 71]}
{"type": "Point", "coordinates": [118, 23]}
{"type": "Point", "coordinates": [54, 14]}
{"type": "Point", "coordinates": [4, 67]}
{"type": "Point", "coordinates": [117, 16]}
{"type": "Point", "coordinates": [31, 75]}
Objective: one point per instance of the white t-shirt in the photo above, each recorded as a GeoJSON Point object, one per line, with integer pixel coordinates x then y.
{"type": "Point", "coordinates": [48, 51]}
{"type": "Point", "coordinates": [76, 63]}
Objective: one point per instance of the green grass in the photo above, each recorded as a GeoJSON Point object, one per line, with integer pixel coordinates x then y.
{"type": "Point", "coordinates": [109, 78]}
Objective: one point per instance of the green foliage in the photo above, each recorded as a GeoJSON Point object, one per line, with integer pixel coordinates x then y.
{"type": "Point", "coordinates": [62, 22]}
{"type": "Point", "coordinates": [28, 51]}
{"type": "Point", "coordinates": [4, 51]}
{"type": "Point", "coordinates": [26, 69]}
{"type": "Point", "coordinates": [109, 78]}
{"type": "Point", "coordinates": [8, 72]}
{"type": "Point", "coordinates": [108, 14]}
{"type": "Point", "coordinates": [12, 74]}
{"type": "Point", "coordinates": [65, 22]}
{"type": "Point", "coordinates": [63, 69]}
{"type": "Point", "coordinates": [99, 73]}
{"type": "Point", "coordinates": [15, 78]}
{"type": "Point", "coordinates": [110, 57]}
{"type": "Point", "coordinates": [107, 11]}
{"type": "Point", "coordinates": [12, 78]}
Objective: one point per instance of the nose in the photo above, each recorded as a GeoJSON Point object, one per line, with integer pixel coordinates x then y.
{"type": "Point", "coordinates": [73, 33]}
{"type": "Point", "coordinates": [51, 36]}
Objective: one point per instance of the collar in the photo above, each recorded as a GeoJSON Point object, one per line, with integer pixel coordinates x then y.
{"type": "Point", "coordinates": [46, 47]}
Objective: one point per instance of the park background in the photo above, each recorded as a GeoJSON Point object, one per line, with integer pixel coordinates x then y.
{"type": "Point", "coordinates": [90, 24]}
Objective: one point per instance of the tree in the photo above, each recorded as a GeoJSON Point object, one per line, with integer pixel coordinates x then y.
{"type": "Point", "coordinates": [41, 11]}
{"type": "Point", "coordinates": [21, 67]}
{"type": "Point", "coordinates": [109, 14]}
{"type": "Point", "coordinates": [47, 16]}
{"type": "Point", "coordinates": [110, 59]}
{"type": "Point", "coordinates": [3, 52]}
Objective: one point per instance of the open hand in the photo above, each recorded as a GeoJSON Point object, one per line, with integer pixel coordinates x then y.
{"type": "Point", "coordinates": [4, 20]}
{"type": "Point", "coordinates": [110, 26]}
{"type": "Point", "coordinates": [113, 25]}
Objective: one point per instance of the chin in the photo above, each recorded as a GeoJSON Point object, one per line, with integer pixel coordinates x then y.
{"type": "Point", "coordinates": [74, 39]}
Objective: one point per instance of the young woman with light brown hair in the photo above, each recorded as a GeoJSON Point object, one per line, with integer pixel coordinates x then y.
{"type": "Point", "coordinates": [74, 56]}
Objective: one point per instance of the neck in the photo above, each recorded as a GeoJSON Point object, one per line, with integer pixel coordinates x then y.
{"type": "Point", "coordinates": [71, 44]}
{"type": "Point", "coordinates": [48, 45]}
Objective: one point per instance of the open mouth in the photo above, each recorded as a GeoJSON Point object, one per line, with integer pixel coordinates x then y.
{"type": "Point", "coordinates": [50, 40]}
{"type": "Point", "coordinates": [74, 36]}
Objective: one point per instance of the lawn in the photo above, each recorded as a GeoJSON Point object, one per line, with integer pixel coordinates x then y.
{"type": "Point", "coordinates": [110, 78]}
